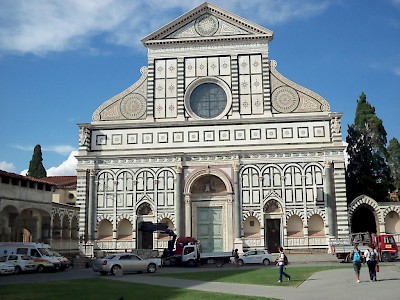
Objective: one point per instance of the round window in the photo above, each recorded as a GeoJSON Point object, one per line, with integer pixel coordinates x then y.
{"type": "Point", "coordinates": [208, 100]}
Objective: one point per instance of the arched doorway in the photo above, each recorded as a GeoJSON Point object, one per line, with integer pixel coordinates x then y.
{"type": "Point", "coordinates": [273, 217]}
{"type": "Point", "coordinates": [144, 216]}
{"type": "Point", "coordinates": [208, 195]}
{"type": "Point", "coordinates": [363, 220]}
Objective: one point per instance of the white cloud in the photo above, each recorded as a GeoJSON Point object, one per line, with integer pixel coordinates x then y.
{"type": "Point", "coordinates": [42, 26]}
{"type": "Point", "coordinates": [67, 167]}
{"type": "Point", "coordinates": [7, 166]}
{"type": "Point", "coordinates": [24, 172]}
{"type": "Point", "coordinates": [60, 149]}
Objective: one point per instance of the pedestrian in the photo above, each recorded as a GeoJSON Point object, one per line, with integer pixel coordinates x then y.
{"type": "Point", "coordinates": [356, 257]}
{"type": "Point", "coordinates": [371, 256]}
{"type": "Point", "coordinates": [236, 258]}
{"type": "Point", "coordinates": [281, 264]}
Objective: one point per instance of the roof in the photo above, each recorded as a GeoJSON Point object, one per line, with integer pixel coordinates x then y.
{"type": "Point", "coordinates": [227, 26]}
{"type": "Point", "coordinates": [59, 181]}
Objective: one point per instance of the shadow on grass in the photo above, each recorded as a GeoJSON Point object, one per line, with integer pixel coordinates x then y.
{"type": "Point", "coordinates": [100, 289]}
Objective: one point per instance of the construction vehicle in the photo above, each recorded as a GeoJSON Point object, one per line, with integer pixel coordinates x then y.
{"type": "Point", "coordinates": [185, 251]}
{"type": "Point", "coordinates": [385, 244]}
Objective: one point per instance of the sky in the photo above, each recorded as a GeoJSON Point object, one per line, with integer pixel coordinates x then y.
{"type": "Point", "coordinates": [61, 59]}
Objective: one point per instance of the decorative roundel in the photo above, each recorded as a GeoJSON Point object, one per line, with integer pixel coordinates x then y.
{"type": "Point", "coordinates": [133, 106]}
{"type": "Point", "coordinates": [285, 99]}
{"type": "Point", "coordinates": [206, 25]}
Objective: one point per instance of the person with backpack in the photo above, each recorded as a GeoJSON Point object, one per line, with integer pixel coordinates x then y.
{"type": "Point", "coordinates": [371, 256]}
{"type": "Point", "coordinates": [356, 257]}
{"type": "Point", "coordinates": [281, 262]}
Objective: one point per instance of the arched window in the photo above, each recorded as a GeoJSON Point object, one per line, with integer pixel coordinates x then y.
{"type": "Point", "coordinates": [293, 184]}
{"type": "Point", "coordinates": [272, 180]}
{"type": "Point", "coordinates": [124, 230]}
{"type": "Point", "coordinates": [165, 188]}
{"type": "Point", "coordinates": [125, 189]}
{"type": "Point", "coordinates": [251, 186]}
{"type": "Point", "coordinates": [314, 184]}
{"type": "Point", "coordinates": [165, 236]}
{"type": "Point", "coordinates": [392, 222]}
{"type": "Point", "coordinates": [105, 230]}
{"type": "Point", "coordinates": [316, 226]}
{"type": "Point", "coordinates": [145, 184]}
{"type": "Point", "coordinates": [295, 227]}
{"type": "Point", "coordinates": [251, 228]}
{"type": "Point", "coordinates": [105, 190]}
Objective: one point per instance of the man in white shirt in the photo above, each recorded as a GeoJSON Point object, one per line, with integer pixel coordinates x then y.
{"type": "Point", "coordinates": [281, 263]}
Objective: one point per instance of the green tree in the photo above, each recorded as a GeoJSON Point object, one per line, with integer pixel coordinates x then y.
{"type": "Point", "coordinates": [394, 161]}
{"type": "Point", "coordinates": [36, 168]}
{"type": "Point", "coordinates": [368, 171]}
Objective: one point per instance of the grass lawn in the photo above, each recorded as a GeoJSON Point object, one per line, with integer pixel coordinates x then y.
{"type": "Point", "coordinates": [258, 276]}
{"type": "Point", "coordinates": [99, 288]}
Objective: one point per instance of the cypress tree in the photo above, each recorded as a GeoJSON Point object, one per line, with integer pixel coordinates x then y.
{"type": "Point", "coordinates": [394, 162]}
{"type": "Point", "coordinates": [36, 168]}
{"type": "Point", "coordinates": [368, 171]}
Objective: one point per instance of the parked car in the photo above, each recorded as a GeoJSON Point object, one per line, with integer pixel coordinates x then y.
{"type": "Point", "coordinates": [255, 257]}
{"type": "Point", "coordinates": [21, 262]}
{"type": "Point", "coordinates": [125, 262]}
{"type": "Point", "coordinates": [63, 260]}
{"type": "Point", "coordinates": [6, 268]}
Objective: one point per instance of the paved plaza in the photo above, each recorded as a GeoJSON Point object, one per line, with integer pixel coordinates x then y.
{"type": "Point", "coordinates": [332, 284]}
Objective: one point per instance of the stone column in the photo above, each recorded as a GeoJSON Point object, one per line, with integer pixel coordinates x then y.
{"type": "Point", "coordinates": [238, 244]}
{"type": "Point", "coordinates": [330, 208]}
{"type": "Point", "coordinates": [178, 201]}
{"type": "Point", "coordinates": [188, 216]}
{"type": "Point", "coordinates": [91, 207]}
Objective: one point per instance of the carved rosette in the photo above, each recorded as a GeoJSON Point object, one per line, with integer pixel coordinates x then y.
{"type": "Point", "coordinates": [285, 99]}
{"type": "Point", "coordinates": [206, 25]}
{"type": "Point", "coordinates": [133, 106]}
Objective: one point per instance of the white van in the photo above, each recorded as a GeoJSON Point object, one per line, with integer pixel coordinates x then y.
{"type": "Point", "coordinates": [44, 261]}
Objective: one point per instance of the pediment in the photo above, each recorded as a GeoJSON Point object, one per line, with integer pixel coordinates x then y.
{"type": "Point", "coordinates": [127, 105]}
{"type": "Point", "coordinates": [290, 97]}
{"type": "Point", "coordinates": [208, 22]}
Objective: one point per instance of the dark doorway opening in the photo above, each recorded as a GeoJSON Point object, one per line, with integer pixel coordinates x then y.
{"type": "Point", "coordinates": [145, 238]}
{"type": "Point", "coordinates": [363, 220]}
{"type": "Point", "coordinates": [273, 234]}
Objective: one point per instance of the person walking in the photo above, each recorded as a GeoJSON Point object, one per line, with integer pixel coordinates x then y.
{"type": "Point", "coordinates": [236, 258]}
{"type": "Point", "coordinates": [355, 255]}
{"type": "Point", "coordinates": [371, 256]}
{"type": "Point", "coordinates": [281, 264]}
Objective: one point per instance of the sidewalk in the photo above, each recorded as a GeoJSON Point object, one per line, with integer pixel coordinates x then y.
{"type": "Point", "coordinates": [332, 284]}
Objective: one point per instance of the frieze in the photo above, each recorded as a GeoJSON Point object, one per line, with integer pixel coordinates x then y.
{"type": "Point", "coordinates": [206, 47]}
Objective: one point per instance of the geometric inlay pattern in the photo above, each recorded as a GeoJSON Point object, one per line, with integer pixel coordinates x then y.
{"type": "Point", "coordinates": [285, 99]}
{"type": "Point", "coordinates": [133, 106]}
{"type": "Point", "coordinates": [302, 132]}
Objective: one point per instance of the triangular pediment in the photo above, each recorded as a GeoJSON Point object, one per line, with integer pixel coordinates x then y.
{"type": "Point", "coordinates": [208, 22]}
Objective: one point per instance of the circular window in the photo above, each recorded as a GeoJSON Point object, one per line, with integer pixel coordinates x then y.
{"type": "Point", "coordinates": [207, 99]}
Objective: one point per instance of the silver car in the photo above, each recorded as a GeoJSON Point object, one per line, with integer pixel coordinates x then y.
{"type": "Point", "coordinates": [21, 262]}
{"type": "Point", "coordinates": [125, 263]}
{"type": "Point", "coordinates": [255, 257]}
{"type": "Point", "coordinates": [6, 268]}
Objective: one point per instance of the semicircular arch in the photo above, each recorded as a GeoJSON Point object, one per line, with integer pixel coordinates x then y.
{"type": "Point", "coordinates": [208, 171]}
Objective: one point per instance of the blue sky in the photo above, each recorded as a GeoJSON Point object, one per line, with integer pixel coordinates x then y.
{"type": "Point", "coordinates": [60, 60]}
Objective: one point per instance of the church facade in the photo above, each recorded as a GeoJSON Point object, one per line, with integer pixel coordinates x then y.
{"type": "Point", "coordinates": [215, 142]}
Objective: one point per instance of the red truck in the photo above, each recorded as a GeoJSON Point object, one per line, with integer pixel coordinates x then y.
{"type": "Point", "coordinates": [385, 244]}
{"type": "Point", "coordinates": [187, 249]}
